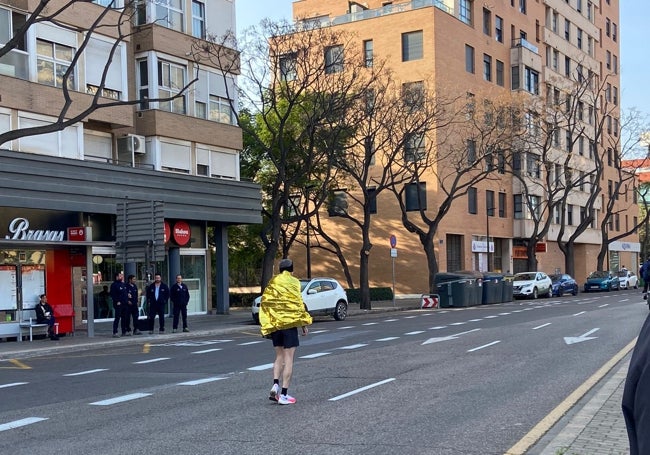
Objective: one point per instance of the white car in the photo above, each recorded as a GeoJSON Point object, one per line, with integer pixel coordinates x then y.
{"type": "Point", "coordinates": [627, 280]}
{"type": "Point", "coordinates": [323, 296]}
{"type": "Point", "coordinates": [532, 284]}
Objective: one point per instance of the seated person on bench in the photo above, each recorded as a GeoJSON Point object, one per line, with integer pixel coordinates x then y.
{"type": "Point", "coordinates": [45, 315]}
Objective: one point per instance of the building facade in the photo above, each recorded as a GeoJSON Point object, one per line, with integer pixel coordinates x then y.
{"type": "Point", "coordinates": [542, 51]}
{"type": "Point", "coordinates": [148, 184]}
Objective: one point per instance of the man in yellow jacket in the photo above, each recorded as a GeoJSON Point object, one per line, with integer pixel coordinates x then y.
{"type": "Point", "coordinates": [282, 311]}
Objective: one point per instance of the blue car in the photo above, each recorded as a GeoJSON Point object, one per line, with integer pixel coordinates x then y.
{"type": "Point", "coordinates": [602, 281]}
{"type": "Point", "coordinates": [564, 284]}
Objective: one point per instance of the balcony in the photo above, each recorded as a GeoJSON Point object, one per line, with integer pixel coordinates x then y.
{"type": "Point", "coordinates": [14, 64]}
{"type": "Point", "coordinates": [525, 53]}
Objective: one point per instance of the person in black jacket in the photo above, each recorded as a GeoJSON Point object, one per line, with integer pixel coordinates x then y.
{"type": "Point", "coordinates": [636, 395]}
{"type": "Point", "coordinates": [45, 315]}
{"type": "Point", "coordinates": [180, 296]}
{"type": "Point", "coordinates": [132, 305]}
{"type": "Point", "coordinates": [157, 297]}
{"type": "Point", "coordinates": [120, 298]}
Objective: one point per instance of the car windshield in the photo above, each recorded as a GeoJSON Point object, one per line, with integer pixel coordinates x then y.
{"type": "Point", "coordinates": [599, 274]}
{"type": "Point", "coordinates": [555, 277]}
{"type": "Point", "coordinates": [524, 276]}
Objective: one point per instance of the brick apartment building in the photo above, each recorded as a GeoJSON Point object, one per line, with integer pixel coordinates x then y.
{"type": "Point", "coordinates": [531, 47]}
{"type": "Point", "coordinates": [133, 187]}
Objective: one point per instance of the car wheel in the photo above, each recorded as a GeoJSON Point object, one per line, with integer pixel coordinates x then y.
{"type": "Point", "coordinates": [636, 286]}
{"type": "Point", "coordinates": [534, 294]}
{"type": "Point", "coordinates": [256, 318]}
{"type": "Point", "coordinates": [550, 293]}
{"type": "Point", "coordinates": [575, 291]}
{"type": "Point", "coordinates": [341, 310]}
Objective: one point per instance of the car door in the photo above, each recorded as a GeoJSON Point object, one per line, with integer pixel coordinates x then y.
{"type": "Point", "coordinates": [311, 296]}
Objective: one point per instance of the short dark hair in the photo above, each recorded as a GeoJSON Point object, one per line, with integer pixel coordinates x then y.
{"type": "Point", "coordinates": [286, 264]}
{"type": "Point", "coordinates": [41, 296]}
{"type": "Point", "coordinates": [131, 276]}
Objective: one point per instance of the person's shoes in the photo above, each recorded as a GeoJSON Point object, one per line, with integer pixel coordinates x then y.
{"type": "Point", "coordinates": [645, 296]}
{"type": "Point", "coordinates": [161, 331]}
{"type": "Point", "coordinates": [185, 329]}
{"type": "Point", "coordinates": [150, 332]}
{"type": "Point", "coordinates": [286, 399]}
{"type": "Point", "coordinates": [174, 330]}
{"type": "Point", "coordinates": [126, 334]}
{"type": "Point", "coordinates": [116, 335]}
{"type": "Point", "coordinates": [275, 392]}
{"type": "Point", "coordinates": [137, 332]}
{"type": "Point", "coordinates": [54, 338]}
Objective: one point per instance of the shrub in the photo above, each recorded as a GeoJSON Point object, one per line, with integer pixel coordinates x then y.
{"type": "Point", "coordinates": [376, 294]}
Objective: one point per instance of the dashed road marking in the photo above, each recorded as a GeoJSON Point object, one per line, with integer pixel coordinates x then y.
{"type": "Point", "coordinates": [121, 399]}
{"type": "Point", "coordinates": [21, 423]}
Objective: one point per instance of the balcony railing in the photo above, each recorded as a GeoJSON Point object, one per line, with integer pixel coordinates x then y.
{"type": "Point", "coordinates": [522, 42]}
{"type": "Point", "coordinates": [14, 64]}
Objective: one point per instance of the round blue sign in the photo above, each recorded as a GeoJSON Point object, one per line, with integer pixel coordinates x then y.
{"type": "Point", "coordinates": [393, 241]}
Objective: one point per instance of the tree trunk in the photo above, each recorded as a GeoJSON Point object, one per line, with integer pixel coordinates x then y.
{"type": "Point", "coordinates": [432, 263]}
{"type": "Point", "coordinates": [569, 260]}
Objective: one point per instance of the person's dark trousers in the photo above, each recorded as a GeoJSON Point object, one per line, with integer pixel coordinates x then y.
{"type": "Point", "coordinates": [159, 310]}
{"type": "Point", "coordinates": [50, 326]}
{"type": "Point", "coordinates": [646, 283]}
{"type": "Point", "coordinates": [180, 309]}
{"type": "Point", "coordinates": [120, 319]}
{"type": "Point", "coordinates": [134, 314]}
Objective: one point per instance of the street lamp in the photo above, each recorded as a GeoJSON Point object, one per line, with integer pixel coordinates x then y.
{"type": "Point", "coordinates": [489, 211]}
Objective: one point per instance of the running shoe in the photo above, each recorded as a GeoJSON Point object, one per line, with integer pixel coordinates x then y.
{"type": "Point", "coordinates": [286, 399]}
{"type": "Point", "coordinates": [275, 392]}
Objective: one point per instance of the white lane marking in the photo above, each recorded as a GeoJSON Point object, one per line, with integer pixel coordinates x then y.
{"type": "Point", "coordinates": [354, 346]}
{"type": "Point", "coordinates": [490, 317]}
{"type": "Point", "coordinates": [390, 320]}
{"type": "Point", "coordinates": [316, 332]}
{"type": "Point", "coordinates": [122, 399]}
{"type": "Point", "coordinates": [578, 314]}
{"type": "Point", "coordinates": [517, 311]}
{"type": "Point", "coordinates": [484, 346]}
{"type": "Point", "coordinates": [603, 305]}
{"type": "Point", "coordinates": [205, 351]}
{"type": "Point", "coordinates": [624, 300]}
{"type": "Point", "coordinates": [81, 373]}
{"type": "Point", "coordinates": [250, 342]}
{"type": "Point", "coordinates": [504, 314]}
{"type": "Point", "coordinates": [266, 366]}
{"type": "Point", "coordinates": [200, 381]}
{"type": "Point", "coordinates": [438, 327]}
{"type": "Point", "coordinates": [314, 356]}
{"type": "Point", "coordinates": [388, 339]}
{"type": "Point", "coordinates": [409, 317]}
{"type": "Point", "coordinates": [191, 343]}
{"type": "Point", "coordinates": [370, 323]}
{"type": "Point", "coordinates": [475, 320]}
{"type": "Point", "coordinates": [541, 326]}
{"type": "Point", "coordinates": [346, 327]}
{"type": "Point", "coordinates": [457, 323]}
{"type": "Point", "coordinates": [13, 384]}
{"type": "Point", "coordinates": [417, 332]}
{"type": "Point", "coordinates": [376, 384]}
{"type": "Point", "coordinates": [21, 423]}
{"type": "Point", "coordinates": [527, 309]}
{"type": "Point", "coordinates": [159, 359]}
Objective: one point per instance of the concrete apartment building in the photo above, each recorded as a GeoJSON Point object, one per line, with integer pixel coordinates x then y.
{"type": "Point", "coordinates": [532, 47]}
{"type": "Point", "coordinates": [133, 187]}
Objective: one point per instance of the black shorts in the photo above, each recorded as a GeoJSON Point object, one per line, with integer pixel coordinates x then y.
{"type": "Point", "coordinates": [287, 338]}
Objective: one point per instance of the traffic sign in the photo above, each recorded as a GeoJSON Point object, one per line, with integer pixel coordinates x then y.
{"type": "Point", "coordinates": [393, 241]}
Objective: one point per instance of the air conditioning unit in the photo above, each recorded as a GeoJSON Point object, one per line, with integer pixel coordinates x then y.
{"type": "Point", "coordinates": [131, 143]}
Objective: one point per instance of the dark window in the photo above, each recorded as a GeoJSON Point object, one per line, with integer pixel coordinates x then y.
{"type": "Point", "coordinates": [502, 205]}
{"type": "Point", "coordinates": [415, 196]}
{"type": "Point", "coordinates": [338, 203]}
{"type": "Point", "coordinates": [454, 252]}
{"type": "Point", "coordinates": [333, 59]}
{"type": "Point", "coordinates": [372, 199]}
{"type": "Point", "coordinates": [469, 58]}
{"type": "Point", "coordinates": [487, 67]}
{"type": "Point", "coordinates": [498, 29]}
{"type": "Point", "coordinates": [514, 79]}
{"type": "Point", "coordinates": [412, 46]}
{"type": "Point", "coordinates": [288, 71]}
{"type": "Point", "coordinates": [499, 69]}
{"type": "Point", "coordinates": [472, 203]}
{"type": "Point", "coordinates": [487, 21]}
{"type": "Point", "coordinates": [367, 53]}
{"type": "Point", "coordinates": [489, 203]}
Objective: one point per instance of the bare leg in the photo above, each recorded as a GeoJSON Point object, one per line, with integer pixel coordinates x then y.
{"type": "Point", "coordinates": [279, 362]}
{"type": "Point", "coordinates": [288, 367]}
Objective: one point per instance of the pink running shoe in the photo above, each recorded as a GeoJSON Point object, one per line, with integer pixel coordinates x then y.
{"type": "Point", "coordinates": [286, 399]}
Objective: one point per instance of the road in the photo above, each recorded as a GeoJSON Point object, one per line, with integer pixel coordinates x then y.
{"type": "Point", "coordinates": [458, 381]}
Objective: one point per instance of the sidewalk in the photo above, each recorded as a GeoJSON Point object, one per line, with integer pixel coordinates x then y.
{"type": "Point", "coordinates": [594, 425]}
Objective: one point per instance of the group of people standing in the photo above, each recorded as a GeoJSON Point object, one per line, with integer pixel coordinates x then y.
{"type": "Point", "coordinates": [125, 297]}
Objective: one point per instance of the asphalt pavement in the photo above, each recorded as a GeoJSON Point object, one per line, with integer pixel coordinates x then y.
{"type": "Point", "coordinates": [593, 425]}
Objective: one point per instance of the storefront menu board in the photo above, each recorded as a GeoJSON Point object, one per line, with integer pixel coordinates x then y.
{"type": "Point", "coordinates": [33, 277]}
{"type": "Point", "coordinates": [8, 299]}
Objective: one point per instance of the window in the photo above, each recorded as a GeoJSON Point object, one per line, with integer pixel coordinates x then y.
{"type": "Point", "coordinates": [52, 61]}
{"type": "Point", "coordinates": [487, 67]}
{"type": "Point", "coordinates": [554, 21]}
{"type": "Point", "coordinates": [143, 83]}
{"type": "Point", "coordinates": [198, 19]}
{"type": "Point", "coordinates": [567, 30]}
{"type": "Point", "coordinates": [169, 13]}
{"type": "Point", "coordinates": [579, 38]}
{"type": "Point", "coordinates": [514, 78]}
{"type": "Point", "coordinates": [567, 66]}
{"type": "Point", "coordinates": [535, 205]}
{"type": "Point", "coordinates": [372, 199]}
{"type": "Point", "coordinates": [499, 69]}
{"type": "Point", "coordinates": [472, 203]}
{"type": "Point", "coordinates": [338, 203]}
{"type": "Point", "coordinates": [465, 11]}
{"type": "Point", "coordinates": [579, 6]}
{"type": "Point", "coordinates": [412, 46]}
{"type": "Point", "coordinates": [469, 58]}
{"type": "Point", "coordinates": [502, 205]}
{"type": "Point", "coordinates": [334, 59]}
{"type": "Point", "coordinates": [498, 28]}
{"type": "Point", "coordinates": [614, 31]}
{"type": "Point", "coordinates": [220, 110]}
{"type": "Point", "coordinates": [96, 53]}
{"type": "Point", "coordinates": [501, 162]}
{"type": "Point", "coordinates": [608, 25]}
{"type": "Point", "coordinates": [414, 147]}
{"type": "Point", "coordinates": [490, 208]}
{"type": "Point", "coordinates": [615, 95]}
{"type": "Point", "coordinates": [288, 70]}
{"type": "Point", "coordinates": [413, 95]}
{"type": "Point", "coordinates": [556, 58]}
{"type": "Point", "coordinates": [471, 152]}
{"type": "Point", "coordinates": [522, 6]}
{"type": "Point", "coordinates": [516, 162]}
{"type": "Point", "coordinates": [569, 214]}
{"type": "Point", "coordinates": [531, 81]}
{"type": "Point", "coordinates": [367, 53]}
{"type": "Point", "coordinates": [608, 60]}
{"type": "Point", "coordinates": [415, 196]}
{"type": "Point", "coordinates": [487, 22]}
{"type": "Point", "coordinates": [533, 165]}
{"type": "Point", "coordinates": [615, 64]}
{"type": "Point", "coordinates": [171, 80]}
{"type": "Point", "coordinates": [518, 203]}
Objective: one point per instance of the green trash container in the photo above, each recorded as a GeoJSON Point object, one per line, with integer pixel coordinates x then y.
{"type": "Point", "coordinates": [506, 295]}
{"type": "Point", "coordinates": [458, 289]}
{"type": "Point", "coordinates": [492, 288]}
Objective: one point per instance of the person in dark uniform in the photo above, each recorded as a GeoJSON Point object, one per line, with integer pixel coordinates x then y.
{"type": "Point", "coordinates": [180, 296]}
{"type": "Point", "coordinates": [45, 315]}
{"type": "Point", "coordinates": [132, 305]}
{"type": "Point", "coordinates": [157, 298]}
{"type": "Point", "coordinates": [120, 301]}
{"type": "Point", "coordinates": [636, 395]}
{"type": "Point", "coordinates": [103, 303]}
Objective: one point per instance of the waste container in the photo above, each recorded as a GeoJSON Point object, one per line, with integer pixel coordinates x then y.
{"type": "Point", "coordinates": [506, 295]}
{"type": "Point", "coordinates": [459, 289]}
{"type": "Point", "coordinates": [492, 288]}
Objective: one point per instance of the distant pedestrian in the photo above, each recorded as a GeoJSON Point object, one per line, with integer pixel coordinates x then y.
{"type": "Point", "coordinates": [645, 274]}
{"type": "Point", "coordinates": [45, 315]}
{"type": "Point", "coordinates": [120, 298]}
{"type": "Point", "coordinates": [180, 296]}
{"type": "Point", "coordinates": [157, 297]}
{"type": "Point", "coordinates": [132, 305]}
{"type": "Point", "coordinates": [636, 395]}
{"type": "Point", "coordinates": [282, 311]}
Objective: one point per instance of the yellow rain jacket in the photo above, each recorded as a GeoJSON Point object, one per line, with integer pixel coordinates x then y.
{"type": "Point", "coordinates": [282, 306]}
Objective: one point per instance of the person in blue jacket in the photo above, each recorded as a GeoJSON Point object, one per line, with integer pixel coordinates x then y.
{"type": "Point", "coordinates": [119, 296]}
{"type": "Point", "coordinates": [636, 394]}
{"type": "Point", "coordinates": [157, 297]}
{"type": "Point", "coordinates": [180, 296]}
{"type": "Point", "coordinates": [132, 305]}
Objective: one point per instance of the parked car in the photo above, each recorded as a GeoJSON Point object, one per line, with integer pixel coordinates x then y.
{"type": "Point", "coordinates": [323, 296]}
{"type": "Point", "coordinates": [531, 284]}
{"type": "Point", "coordinates": [602, 280]}
{"type": "Point", "coordinates": [627, 280]}
{"type": "Point", "coordinates": [564, 284]}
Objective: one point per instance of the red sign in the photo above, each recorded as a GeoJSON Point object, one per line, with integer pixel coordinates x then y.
{"type": "Point", "coordinates": [76, 234]}
{"type": "Point", "coordinates": [168, 231]}
{"type": "Point", "coordinates": [540, 247]}
{"type": "Point", "coordinates": [182, 233]}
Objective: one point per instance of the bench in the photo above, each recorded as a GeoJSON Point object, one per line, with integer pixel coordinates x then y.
{"type": "Point", "coordinates": [28, 322]}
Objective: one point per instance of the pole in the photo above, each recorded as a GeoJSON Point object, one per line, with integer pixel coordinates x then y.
{"type": "Point", "coordinates": [487, 225]}
{"type": "Point", "coordinates": [308, 252]}
{"type": "Point", "coordinates": [393, 264]}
